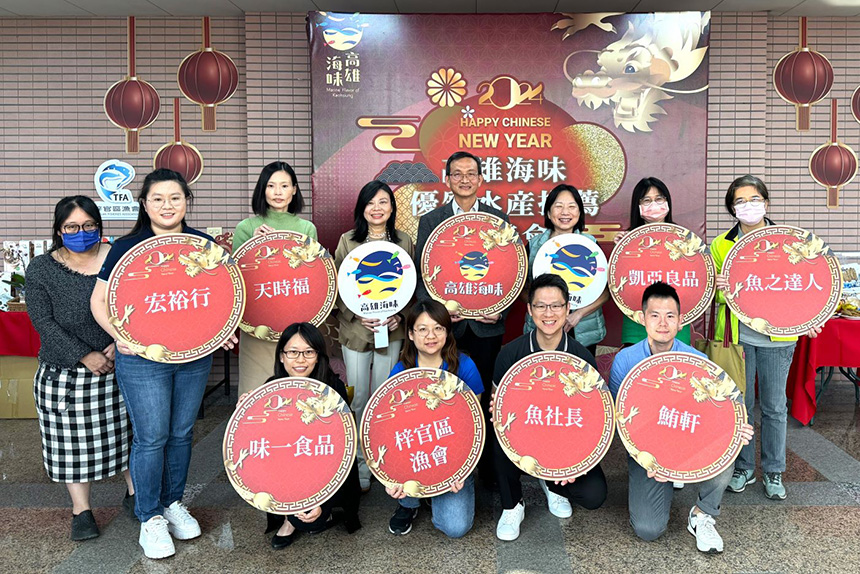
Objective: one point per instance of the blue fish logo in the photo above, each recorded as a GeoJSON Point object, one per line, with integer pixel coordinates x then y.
{"type": "Point", "coordinates": [110, 180]}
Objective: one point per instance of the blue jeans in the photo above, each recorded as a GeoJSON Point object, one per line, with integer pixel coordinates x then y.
{"type": "Point", "coordinates": [162, 401]}
{"type": "Point", "coordinates": [453, 513]}
{"type": "Point", "coordinates": [771, 364]}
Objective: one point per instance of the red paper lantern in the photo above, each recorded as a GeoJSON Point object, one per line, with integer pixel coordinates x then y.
{"type": "Point", "coordinates": [178, 155]}
{"type": "Point", "coordinates": [855, 104]}
{"type": "Point", "coordinates": [803, 77]}
{"type": "Point", "coordinates": [131, 103]}
{"type": "Point", "coordinates": [208, 78]}
{"type": "Point", "coordinates": [834, 164]}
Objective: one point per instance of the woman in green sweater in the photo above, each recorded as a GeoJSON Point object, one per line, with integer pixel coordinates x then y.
{"type": "Point", "coordinates": [650, 203]}
{"type": "Point", "coordinates": [277, 202]}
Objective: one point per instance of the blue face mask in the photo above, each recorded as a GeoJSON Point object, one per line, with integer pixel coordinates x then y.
{"type": "Point", "coordinates": [81, 241]}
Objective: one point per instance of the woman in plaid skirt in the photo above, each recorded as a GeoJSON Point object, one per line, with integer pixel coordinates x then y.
{"type": "Point", "coordinates": [82, 416]}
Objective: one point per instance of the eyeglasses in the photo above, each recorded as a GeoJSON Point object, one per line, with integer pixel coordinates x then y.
{"type": "Point", "coordinates": [554, 307]}
{"type": "Point", "coordinates": [423, 331]}
{"type": "Point", "coordinates": [754, 200]}
{"type": "Point", "coordinates": [71, 228]}
{"type": "Point", "coordinates": [646, 201]}
{"type": "Point", "coordinates": [456, 177]}
{"type": "Point", "coordinates": [174, 200]}
{"type": "Point", "coordinates": [294, 354]}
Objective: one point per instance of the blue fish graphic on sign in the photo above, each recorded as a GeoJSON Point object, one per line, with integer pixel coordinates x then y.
{"type": "Point", "coordinates": [110, 180]}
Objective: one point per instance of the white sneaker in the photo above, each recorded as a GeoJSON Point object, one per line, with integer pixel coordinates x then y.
{"type": "Point", "coordinates": [702, 527]}
{"type": "Point", "coordinates": [559, 506]}
{"type": "Point", "coordinates": [181, 524]}
{"type": "Point", "coordinates": [678, 485]}
{"type": "Point", "coordinates": [509, 524]}
{"type": "Point", "coordinates": [155, 538]}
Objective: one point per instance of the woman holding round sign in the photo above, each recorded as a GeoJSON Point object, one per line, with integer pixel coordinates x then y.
{"type": "Point", "coordinates": [276, 202]}
{"type": "Point", "coordinates": [431, 345]}
{"type": "Point", "coordinates": [577, 264]}
{"type": "Point", "coordinates": [377, 277]}
{"type": "Point", "coordinates": [82, 417]}
{"type": "Point", "coordinates": [301, 354]}
{"type": "Point", "coordinates": [650, 203]}
{"type": "Point", "coordinates": [155, 265]}
{"type": "Point", "coordinates": [741, 281]}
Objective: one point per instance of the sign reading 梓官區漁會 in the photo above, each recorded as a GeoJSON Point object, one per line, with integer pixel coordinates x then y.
{"type": "Point", "coordinates": [111, 179]}
{"type": "Point", "coordinates": [597, 101]}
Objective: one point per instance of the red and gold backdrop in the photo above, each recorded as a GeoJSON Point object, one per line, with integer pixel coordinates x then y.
{"type": "Point", "coordinates": [595, 100]}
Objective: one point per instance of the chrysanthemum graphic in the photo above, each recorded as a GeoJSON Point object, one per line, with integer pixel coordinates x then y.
{"type": "Point", "coordinates": [446, 87]}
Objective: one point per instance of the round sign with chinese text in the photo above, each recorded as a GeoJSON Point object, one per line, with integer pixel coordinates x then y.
{"type": "Point", "coordinates": [175, 298]}
{"type": "Point", "coordinates": [474, 263]}
{"type": "Point", "coordinates": [783, 281]}
{"type": "Point", "coordinates": [377, 279]}
{"type": "Point", "coordinates": [579, 261]}
{"type": "Point", "coordinates": [422, 429]}
{"type": "Point", "coordinates": [680, 415]}
{"type": "Point", "coordinates": [662, 252]}
{"type": "Point", "coordinates": [289, 445]}
{"type": "Point", "coordinates": [290, 278]}
{"type": "Point", "coordinates": [549, 399]}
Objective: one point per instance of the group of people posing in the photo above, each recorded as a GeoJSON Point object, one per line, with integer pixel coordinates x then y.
{"type": "Point", "coordinates": [93, 393]}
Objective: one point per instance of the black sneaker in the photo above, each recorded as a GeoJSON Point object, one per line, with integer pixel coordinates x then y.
{"type": "Point", "coordinates": [84, 526]}
{"type": "Point", "coordinates": [401, 522]}
{"type": "Point", "coordinates": [128, 504]}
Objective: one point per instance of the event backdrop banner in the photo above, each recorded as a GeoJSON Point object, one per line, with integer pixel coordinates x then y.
{"type": "Point", "coordinates": [597, 101]}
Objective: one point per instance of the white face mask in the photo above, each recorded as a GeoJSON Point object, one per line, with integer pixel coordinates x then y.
{"type": "Point", "coordinates": [750, 213]}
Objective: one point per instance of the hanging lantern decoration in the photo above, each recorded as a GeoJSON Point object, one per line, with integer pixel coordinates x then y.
{"type": "Point", "coordinates": [803, 77]}
{"type": "Point", "coordinates": [178, 155]}
{"type": "Point", "coordinates": [131, 103]}
{"type": "Point", "coordinates": [208, 78]}
{"type": "Point", "coordinates": [855, 104]}
{"type": "Point", "coordinates": [834, 164]}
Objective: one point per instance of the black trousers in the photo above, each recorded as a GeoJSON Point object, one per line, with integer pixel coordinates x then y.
{"type": "Point", "coordinates": [483, 350]}
{"type": "Point", "coordinates": [588, 491]}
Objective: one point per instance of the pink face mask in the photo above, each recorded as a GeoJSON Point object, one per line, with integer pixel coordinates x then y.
{"type": "Point", "coordinates": [654, 212]}
{"type": "Point", "coordinates": [750, 213]}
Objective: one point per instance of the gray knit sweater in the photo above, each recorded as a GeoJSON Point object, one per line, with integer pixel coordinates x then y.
{"type": "Point", "coordinates": [58, 301]}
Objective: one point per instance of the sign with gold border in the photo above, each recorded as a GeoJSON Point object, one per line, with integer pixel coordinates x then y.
{"type": "Point", "coordinates": [474, 263]}
{"type": "Point", "coordinates": [422, 429]}
{"type": "Point", "coordinates": [290, 278]}
{"type": "Point", "coordinates": [662, 252]}
{"type": "Point", "coordinates": [680, 415]}
{"type": "Point", "coordinates": [289, 445]}
{"type": "Point", "coordinates": [176, 297]}
{"type": "Point", "coordinates": [579, 261]}
{"type": "Point", "coordinates": [783, 280]}
{"type": "Point", "coordinates": [549, 399]}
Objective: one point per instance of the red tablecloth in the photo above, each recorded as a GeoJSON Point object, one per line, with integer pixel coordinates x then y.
{"type": "Point", "coordinates": [18, 338]}
{"type": "Point", "coordinates": [838, 345]}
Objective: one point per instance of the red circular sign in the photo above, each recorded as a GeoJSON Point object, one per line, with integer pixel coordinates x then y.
{"type": "Point", "coordinates": [289, 445]}
{"type": "Point", "coordinates": [474, 263]}
{"type": "Point", "coordinates": [422, 429]}
{"type": "Point", "coordinates": [680, 415]}
{"type": "Point", "coordinates": [783, 280]}
{"type": "Point", "coordinates": [549, 399]}
{"type": "Point", "coordinates": [662, 252]}
{"type": "Point", "coordinates": [175, 298]}
{"type": "Point", "coordinates": [290, 278]}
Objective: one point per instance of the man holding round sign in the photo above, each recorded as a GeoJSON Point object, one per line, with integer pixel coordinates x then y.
{"type": "Point", "coordinates": [548, 306]}
{"type": "Point", "coordinates": [649, 492]}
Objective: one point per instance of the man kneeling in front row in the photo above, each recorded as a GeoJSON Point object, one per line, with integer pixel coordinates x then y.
{"type": "Point", "coordinates": [650, 496]}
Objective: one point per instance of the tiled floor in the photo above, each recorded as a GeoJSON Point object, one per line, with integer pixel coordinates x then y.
{"type": "Point", "coordinates": [816, 530]}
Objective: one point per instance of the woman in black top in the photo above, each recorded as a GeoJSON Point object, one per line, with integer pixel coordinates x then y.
{"type": "Point", "coordinates": [82, 416]}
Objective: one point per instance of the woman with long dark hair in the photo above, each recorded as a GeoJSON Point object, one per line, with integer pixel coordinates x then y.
{"type": "Point", "coordinates": [82, 416]}
{"type": "Point", "coordinates": [431, 344]}
{"type": "Point", "coordinates": [301, 352]}
{"type": "Point", "coordinates": [650, 203]}
{"type": "Point", "coordinates": [276, 202]}
{"type": "Point", "coordinates": [564, 212]}
{"type": "Point", "coordinates": [366, 366]}
{"type": "Point", "coordinates": [162, 398]}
